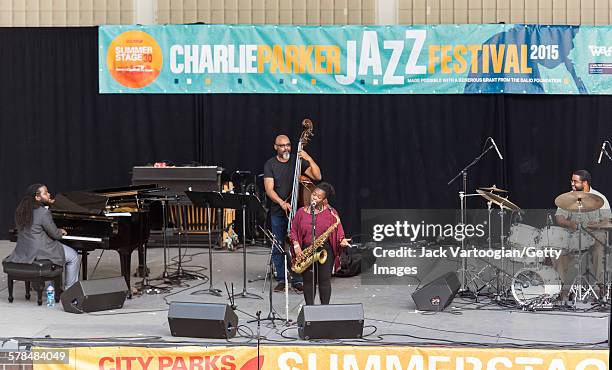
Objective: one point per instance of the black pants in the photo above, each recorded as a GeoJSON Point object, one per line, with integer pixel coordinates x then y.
{"type": "Point", "coordinates": [322, 277]}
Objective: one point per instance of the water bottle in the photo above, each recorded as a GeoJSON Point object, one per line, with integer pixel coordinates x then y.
{"type": "Point", "coordinates": [50, 296]}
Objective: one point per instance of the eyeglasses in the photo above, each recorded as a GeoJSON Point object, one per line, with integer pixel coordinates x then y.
{"type": "Point", "coordinates": [283, 145]}
{"type": "Point", "coordinates": [575, 181]}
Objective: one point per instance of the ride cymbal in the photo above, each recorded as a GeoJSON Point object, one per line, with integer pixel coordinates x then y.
{"type": "Point", "coordinates": [573, 201]}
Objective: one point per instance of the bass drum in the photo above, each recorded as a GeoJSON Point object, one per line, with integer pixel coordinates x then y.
{"type": "Point", "coordinates": [533, 286]}
{"type": "Point", "coordinates": [522, 236]}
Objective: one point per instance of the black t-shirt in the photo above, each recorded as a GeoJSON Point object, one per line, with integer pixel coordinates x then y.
{"type": "Point", "coordinates": [282, 173]}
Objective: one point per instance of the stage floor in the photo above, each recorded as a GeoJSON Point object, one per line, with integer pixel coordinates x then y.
{"type": "Point", "coordinates": [388, 309]}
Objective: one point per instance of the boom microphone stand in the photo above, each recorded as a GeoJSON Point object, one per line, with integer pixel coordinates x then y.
{"type": "Point", "coordinates": [462, 196]}
{"type": "Point", "coordinates": [607, 245]}
{"type": "Point", "coordinates": [275, 245]}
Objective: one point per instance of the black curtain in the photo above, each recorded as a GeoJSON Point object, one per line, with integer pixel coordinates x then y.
{"type": "Point", "coordinates": [379, 151]}
{"type": "Point", "coordinates": [56, 129]}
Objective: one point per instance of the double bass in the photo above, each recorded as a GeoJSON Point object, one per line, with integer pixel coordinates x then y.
{"type": "Point", "coordinates": [302, 185]}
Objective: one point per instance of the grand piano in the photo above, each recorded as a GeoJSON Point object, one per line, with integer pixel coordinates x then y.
{"type": "Point", "coordinates": [112, 218]}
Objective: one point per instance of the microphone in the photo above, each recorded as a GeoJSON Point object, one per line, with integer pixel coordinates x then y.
{"type": "Point", "coordinates": [496, 149]}
{"type": "Point", "coordinates": [603, 147]}
{"type": "Point", "coordinates": [313, 205]}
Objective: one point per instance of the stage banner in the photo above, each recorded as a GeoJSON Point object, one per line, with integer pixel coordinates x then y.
{"type": "Point", "coordinates": [426, 59]}
{"type": "Point", "coordinates": [328, 357]}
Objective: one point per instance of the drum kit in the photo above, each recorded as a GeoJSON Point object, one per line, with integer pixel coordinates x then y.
{"type": "Point", "coordinates": [537, 285]}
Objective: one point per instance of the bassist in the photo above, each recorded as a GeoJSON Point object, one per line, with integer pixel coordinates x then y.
{"type": "Point", "coordinates": [278, 179]}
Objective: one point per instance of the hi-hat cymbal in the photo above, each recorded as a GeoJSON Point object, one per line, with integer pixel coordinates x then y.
{"type": "Point", "coordinates": [574, 200]}
{"type": "Point", "coordinates": [495, 189]}
{"type": "Point", "coordinates": [500, 201]}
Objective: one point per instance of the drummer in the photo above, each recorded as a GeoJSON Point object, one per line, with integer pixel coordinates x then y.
{"type": "Point", "coordinates": [581, 181]}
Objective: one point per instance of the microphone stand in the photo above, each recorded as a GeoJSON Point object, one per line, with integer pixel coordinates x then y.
{"type": "Point", "coordinates": [462, 200]}
{"type": "Point", "coordinates": [606, 246]}
{"type": "Point", "coordinates": [164, 201]}
{"type": "Point", "coordinates": [258, 314]}
{"type": "Point", "coordinates": [275, 244]}
{"type": "Point", "coordinates": [313, 218]}
{"type": "Point", "coordinates": [164, 204]}
{"type": "Point", "coordinates": [605, 151]}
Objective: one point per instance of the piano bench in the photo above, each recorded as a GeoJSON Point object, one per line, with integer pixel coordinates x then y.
{"type": "Point", "coordinates": [37, 272]}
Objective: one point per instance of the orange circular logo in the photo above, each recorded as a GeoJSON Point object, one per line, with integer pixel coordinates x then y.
{"type": "Point", "coordinates": [134, 59]}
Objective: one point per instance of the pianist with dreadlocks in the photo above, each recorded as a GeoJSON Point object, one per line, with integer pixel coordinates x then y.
{"type": "Point", "coordinates": [38, 237]}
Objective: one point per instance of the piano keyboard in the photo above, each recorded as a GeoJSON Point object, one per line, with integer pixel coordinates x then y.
{"type": "Point", "coordinates": [117, 214]}
{"type": "Point", "coordinates": [82, 238]}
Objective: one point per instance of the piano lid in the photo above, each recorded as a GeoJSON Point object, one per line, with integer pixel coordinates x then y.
{"type": "Point", "coordinates": [125, 191]}
{"type": "Point", "coordinates": [80, 202]}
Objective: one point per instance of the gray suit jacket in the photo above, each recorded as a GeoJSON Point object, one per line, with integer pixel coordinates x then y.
{"type": "Point", "coordinates": [40, 241]}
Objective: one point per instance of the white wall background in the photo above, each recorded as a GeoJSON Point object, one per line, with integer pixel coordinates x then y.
{"type": "Point", "coordinates": [34, 13]}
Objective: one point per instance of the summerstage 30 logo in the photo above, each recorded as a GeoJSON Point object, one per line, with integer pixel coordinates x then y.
{"type": "Point", "coordinates": [134, 59]}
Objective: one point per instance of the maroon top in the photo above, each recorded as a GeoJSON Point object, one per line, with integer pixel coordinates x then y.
{"type": "Point", "coordinates": [301, 230]}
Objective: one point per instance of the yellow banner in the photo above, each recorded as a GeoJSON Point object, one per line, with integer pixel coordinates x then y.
{"type": "Point", "coordinates": [328, 357]}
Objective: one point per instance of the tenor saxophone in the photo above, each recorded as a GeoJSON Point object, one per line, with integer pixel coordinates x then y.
{"type": "Point", "coordinates": [311, 253]}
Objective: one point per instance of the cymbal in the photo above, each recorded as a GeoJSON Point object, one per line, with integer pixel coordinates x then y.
{"type": "Point", "coordinates": [494, 188]}
{"type": "Point", "coordinates": [571, 201]}
{"type": "Point", "coordinates": [499, 200]}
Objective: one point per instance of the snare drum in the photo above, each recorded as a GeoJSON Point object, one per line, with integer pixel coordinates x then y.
{"type": "Point", "coordinates": [531, 284]}
{"type": "Point", "coordinates": [554, 236]}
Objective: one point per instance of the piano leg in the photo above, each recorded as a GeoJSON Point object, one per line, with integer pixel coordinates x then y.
{"type": "Point", "coordinates": [84, 255]}
{"type": "Point", "coordinates": [126, 262]}
{"type": "Point", "coordinates": [143, 270]}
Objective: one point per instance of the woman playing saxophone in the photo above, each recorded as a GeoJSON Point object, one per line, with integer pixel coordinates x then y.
{"type": "Point", "coordinates": [329, 237]}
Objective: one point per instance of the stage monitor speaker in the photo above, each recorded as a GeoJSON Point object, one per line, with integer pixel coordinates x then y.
{"type": "Point", "coordinates": [438, 294]}
{"type": "Point", "coordinates": [335, 321]}
{"type": "Point", "coordinates": [95, 295]}
{"type": "Point", "coordinates": [202, 320]}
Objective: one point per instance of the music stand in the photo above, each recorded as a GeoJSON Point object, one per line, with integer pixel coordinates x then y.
{"type": "Point", "coordinates": [244, 202]}
{"type": "Point", "coordinates": [208, 199]}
